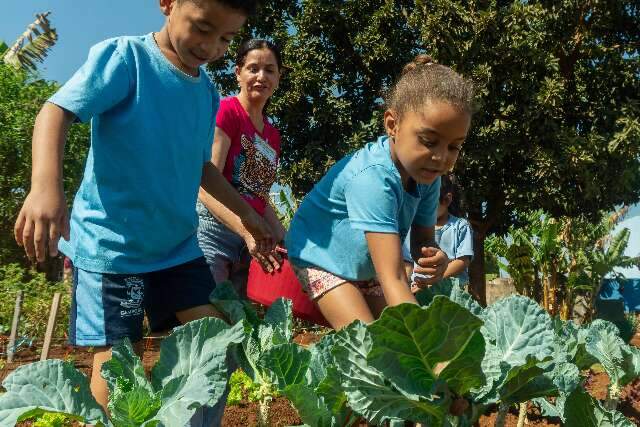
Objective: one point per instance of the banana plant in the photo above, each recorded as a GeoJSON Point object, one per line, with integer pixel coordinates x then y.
{"type": "Point", "coordinates": [33, 45]}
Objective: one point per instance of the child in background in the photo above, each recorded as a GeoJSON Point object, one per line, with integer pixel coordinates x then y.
{"type": "Point", "coordinates": [132, 232]}
{"type": "Point", "coordinates": [454, 236]}
{"type": "Point", "coordinates": [345, 240]}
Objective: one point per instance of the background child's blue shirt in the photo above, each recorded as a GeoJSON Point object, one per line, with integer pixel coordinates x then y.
{"type": "Point", "coordinates": [455, 238]}
{"type": "Point", "coordinates": [362, 192]}
{"type": "Point", "coordinates": [151, 132]}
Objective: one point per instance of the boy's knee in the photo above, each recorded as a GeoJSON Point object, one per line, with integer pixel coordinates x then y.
{"type": "Point", "coordinates": [199, 312]}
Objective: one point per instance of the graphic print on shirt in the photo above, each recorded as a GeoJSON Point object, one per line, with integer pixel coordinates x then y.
{"type": "Point", "coordinates": [255, 168]}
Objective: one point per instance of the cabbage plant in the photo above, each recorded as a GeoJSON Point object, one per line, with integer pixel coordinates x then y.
{"type": "Point", "coordinates": [267, 355]}
{"type": "Point", "coordinates": [191, 372]}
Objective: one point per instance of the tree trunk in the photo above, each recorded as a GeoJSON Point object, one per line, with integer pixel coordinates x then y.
{"type": "Point", "coordinates": [477, 286]}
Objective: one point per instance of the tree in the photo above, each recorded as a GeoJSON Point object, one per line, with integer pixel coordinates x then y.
{"type": "Point", "coordinates": [558, 123]}
{"type": "Point", "coordinates": [22, 94]}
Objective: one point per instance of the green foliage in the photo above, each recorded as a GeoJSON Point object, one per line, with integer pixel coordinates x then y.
{"type": "Point", "coordinates": [242, 387]}
{"type": "Point", "coordinates": [33, 45]}
{"type": "Point", "coordinates": [21, 97]}
{"type": "Point", "coordinates": [51, 419]}
{"type": "Point", "coordinates": [36, 303]}
{"type": "Point", "coordinates": [557, 86]}
{"type": "Point", "coordinates": [191, 373]}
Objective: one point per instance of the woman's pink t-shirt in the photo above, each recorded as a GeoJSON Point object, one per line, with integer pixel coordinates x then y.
{"type": "Point", "coordinates": [253, 156]}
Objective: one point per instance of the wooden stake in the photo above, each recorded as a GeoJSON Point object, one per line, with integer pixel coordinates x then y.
{"type": "Point", "coordinates": [14, 327]}
{"type": "Point", "coordinates": [55, 304]}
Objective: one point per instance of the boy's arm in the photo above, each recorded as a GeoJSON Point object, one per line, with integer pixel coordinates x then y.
{"type": "Point", "coordinates": [44, 216]}
{"type": "Point", "coordinates": [431, 260]}
{"type": "Point", "coordinates": [215, 185]}
{"type": "Point", "coordinates": [274, 222]}
{"type": "Point", "coordinates": [386, 255]}
{"type": "Point", "coordinates": [457, 266]}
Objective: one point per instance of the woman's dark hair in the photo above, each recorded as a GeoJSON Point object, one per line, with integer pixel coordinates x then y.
{"type": "Point", "coordinates": [252, 44]}
{"type": "Point", "coordinates": [423, 80]}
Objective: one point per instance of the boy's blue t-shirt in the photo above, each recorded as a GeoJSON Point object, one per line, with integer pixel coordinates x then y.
{"type": "Point", "coordinates": [151, 133]}
{"type": "Point", "coordinates": [362, 192]}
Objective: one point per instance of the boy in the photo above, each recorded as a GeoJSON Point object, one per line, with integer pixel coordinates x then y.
{"type": "Point", "coordinates": [132, 232]}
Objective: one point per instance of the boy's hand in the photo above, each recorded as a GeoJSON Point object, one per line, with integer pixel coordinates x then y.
{"type": "Point", "coordinates": [257, 227]}
{"type": "Point", "coordinates": [42, 220]}
{"type": "Point", "coordinates": [269, 261]}
{"type": "Point", "coordinates": [433, 263]}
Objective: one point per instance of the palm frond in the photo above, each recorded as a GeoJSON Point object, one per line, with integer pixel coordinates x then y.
{"type": "Point", "coordinates": [33, 45]}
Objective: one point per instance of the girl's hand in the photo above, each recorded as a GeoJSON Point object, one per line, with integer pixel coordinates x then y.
{"type": "Point", "coordinates": [431, 267]}
{"type": "Point", "coordinates": [43, 219]}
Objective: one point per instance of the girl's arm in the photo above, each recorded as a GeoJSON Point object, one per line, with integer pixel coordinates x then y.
{"type": "Point", "coordinates": [44, 216]}
{"type": "Point", "coordinates": [430, 259]}
{"type": "Point", "coordinates": [386, 255]}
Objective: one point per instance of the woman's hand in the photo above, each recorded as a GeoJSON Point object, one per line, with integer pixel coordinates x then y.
{"type": "Point", "coordinates": [431, 266]}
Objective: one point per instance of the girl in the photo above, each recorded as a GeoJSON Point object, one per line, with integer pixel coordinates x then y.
{"type": "Point", "coordinates": [453, 235]}
{"type": "Point", "coordinates": [345, 240]}
{"type": "Point", "coordinates": [246, 149]}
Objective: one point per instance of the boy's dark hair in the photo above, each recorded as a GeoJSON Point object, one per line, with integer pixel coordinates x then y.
{"type": "Point", "coordinates": [252, 44]}
{"type": "Point", "coordinates": [248, 7]}
{"type": "Point", "coordinates": [449, 184]}
{"type": "Point", "coordinates": [423, 80]}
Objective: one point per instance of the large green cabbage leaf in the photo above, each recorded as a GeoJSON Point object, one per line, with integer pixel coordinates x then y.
{"type": "Point", "coordinates": [48, 386]}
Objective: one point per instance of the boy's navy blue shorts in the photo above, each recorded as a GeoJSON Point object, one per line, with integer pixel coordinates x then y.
{"type": "Point", "coordinates": [106, 308]}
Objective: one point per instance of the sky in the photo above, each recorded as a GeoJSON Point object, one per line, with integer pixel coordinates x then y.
{"type": "Point", "coordinates": [80, 24]}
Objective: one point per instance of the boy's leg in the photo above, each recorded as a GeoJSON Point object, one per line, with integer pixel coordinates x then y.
{"type": "Point", "coordinates": [183, 292]}
{"type": "Point", "coordinates": [105, 309]}
{"type": "Point", "coordinates": [98, 385]}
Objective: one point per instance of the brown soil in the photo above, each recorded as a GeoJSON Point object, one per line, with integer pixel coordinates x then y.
{"type": "Point", "coordinates": [533, 418]}
{"type": "Point", "coordinates": [283, 414]}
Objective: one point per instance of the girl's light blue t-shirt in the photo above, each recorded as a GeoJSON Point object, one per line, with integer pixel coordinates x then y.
{"type": "Point", "coordinates": [362, 192]}
{"type": "Point", "coordinates": [151, 132]}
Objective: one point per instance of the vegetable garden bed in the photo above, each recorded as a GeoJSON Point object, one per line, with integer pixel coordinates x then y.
{"type": "Point", "coordinates": [307, 373]}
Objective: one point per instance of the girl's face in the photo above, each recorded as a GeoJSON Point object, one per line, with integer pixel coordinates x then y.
{"type": "Point", "coordinates": [443, 205]}
{"type": "Point", "coordinates": [427, 143]}
{"type": "Point", "coordinates": [259, 76]}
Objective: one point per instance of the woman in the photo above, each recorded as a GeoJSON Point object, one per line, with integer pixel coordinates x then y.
{"type": "Point", "coordinates": [246, 148]}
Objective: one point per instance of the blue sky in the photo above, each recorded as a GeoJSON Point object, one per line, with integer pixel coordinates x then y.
{"type": "Point", "coordinates": [80, 25]}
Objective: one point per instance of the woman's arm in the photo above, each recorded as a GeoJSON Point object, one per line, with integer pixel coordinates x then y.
{"type": "Point", "coordinates": [219, 152]}
{"type": "Point", "coordinates": [386, 255]}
